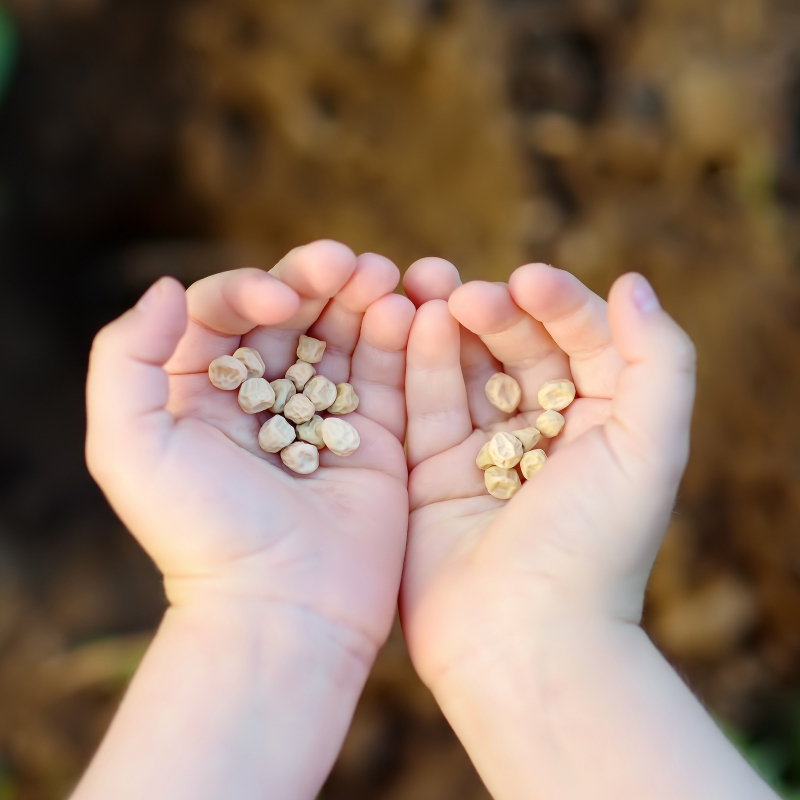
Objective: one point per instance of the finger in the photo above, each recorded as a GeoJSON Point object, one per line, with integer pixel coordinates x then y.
{"type": "Point", "coordinates": [652, 405]}
{"type": "Point", "coordinates": [379, 362]}
{"type": "Point", "coordinates": [223, 307]}
{"type": "Point", "coordinates": [438, 409]}
{"type": "Point", "coordinates": [436, 279]}
{"type": "Point", "coordinates": [577, 320]}
{"type": "Point", "coordinates": [340, 323]}
{"type": "Point", "coordinates": [478, 365]}
{"type": "Point", "coordinates": [430, 279]}
{"type": "Point", "coordinates": [127, 388]}
{"type": "Point", "coordinates": [513, 337]}
{"type": "Point", "coordinates": [316, 272]}
{"type": "Point", "coordinates": [450, 475]}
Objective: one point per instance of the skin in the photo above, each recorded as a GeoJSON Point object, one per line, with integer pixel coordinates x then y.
{"type": "Point", "coordinates": [312, 562]}
{"type": "Point", "coordinates": [522, 617]}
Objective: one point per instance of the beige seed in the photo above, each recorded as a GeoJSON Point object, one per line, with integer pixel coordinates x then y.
{"type": "Point", "coordinates": [275, 434]}
{"type": "Point", "coordinates": [299, 409]}
{"type": "Point", "coordinates": [501, 483]}
{"type": "Point", "coordinates": [321, 392]}
{"type": "Point", "coordinates": [484, 460]}
{"type": "Point", "coordinates": [556, 395]}
{"type": "Point", "coordinates": [503, 392]}
{"type": "Point", "coordinates": [301, 457]}
{"type": "Point", "coordinates": [346, 401]}
{"type": "Point", "coordinates": [311, 431]}
{"type": "Point", "coordinates": [284, 391]}
{"type": "Point", "coordinates": [529, 437]}
{"type": "Point", "coordinates": [300, 374]}
{"type": "Point", "coordinates": [255, 395]}
{"type": "Point", "coordinates": [252, 360]}
{"type": "Point", "coordinates": [310, 350]}
{"type": "Point", "coordinates": [340, 436]}
{"type": "Point", "coordinates": [550, 424]}
{"type": "Point", "coordinates": [505, 450]}
{"type": "Point", "coordinates": [532, 462]}
{"type": "Point", "coordinates": [227, 372]}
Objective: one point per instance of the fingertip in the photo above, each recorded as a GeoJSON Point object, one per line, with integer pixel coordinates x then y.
{"type": "Point", "coordinates": [429, 279]}
{"type": "Point", "coordinates": [152, 328]}
{"type": "Point", "coordinates": [268, 301]}
{"type": "Point", "coordinates": [387, 322]}
{"type": "Point", "coordinates": [433, 313]}
{"type": "Point", "coordinates": [329, 265]}
{"type": "Point", "coordinates": [166, 290]}
{"type": "Point", "coordinates": [318, 269]}
{"type": "Point", "coordinates": [380, 266]}
{"type": "Point", "coordinates": [484, 308]}
{"type": "Point", "coordinates": [374, 276]}
{"type": "Point", "coordinates": [434, 334]}
{"type": "Point", "coordinates": [639, 324]}
{"type": "Point", "coordinates": [623, 308]}
{"type": "Point", "coordinates": [534, 287]}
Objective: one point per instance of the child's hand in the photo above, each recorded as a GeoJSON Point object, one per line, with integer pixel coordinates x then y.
{"type": "Point", "coordinates": [577, 540]}
{"type": "Point", "coordinates": [179, 460]}
{"type": "Point", "coordinates": [521, 615]}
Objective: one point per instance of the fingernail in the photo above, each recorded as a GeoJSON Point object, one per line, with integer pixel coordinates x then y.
{"type": "Point", "coordinates": [644, 297]}
{"type": "Point", "coordinates": [150, 297]}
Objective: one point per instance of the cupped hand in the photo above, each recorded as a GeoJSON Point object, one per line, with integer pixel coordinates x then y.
{"type": "Point", "coordinates": [179, 460]}
{"type": "Point", "coordinates": [578, 539]}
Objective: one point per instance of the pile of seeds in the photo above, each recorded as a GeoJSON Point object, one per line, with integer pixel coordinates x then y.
{"type": "Point", "coordinates": [294, 401]}
{"type": "Point", "coordinates": [504, 452]}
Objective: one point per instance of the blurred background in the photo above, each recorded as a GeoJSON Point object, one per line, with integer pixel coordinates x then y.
{"type": "Point", "coordinates": [144, 137]}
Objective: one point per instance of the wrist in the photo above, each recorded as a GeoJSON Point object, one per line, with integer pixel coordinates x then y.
{"type": "Point", "coordinates": [252, 609]}
{"type": "Point", "coordinates": [452, 629]}
{"type": "Point", "coordinates": [530, 662]}
{"type": "Point", "coordinates": [237, 696]}
{"type": "Point", "coordinates": [282, 627]}
{"type": "Point", "coordinates": [588, 708]}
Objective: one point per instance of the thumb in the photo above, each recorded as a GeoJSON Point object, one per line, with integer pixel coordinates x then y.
{"type": "Point", "coordinates": [127, 387]}
{"type": "Point", "coordinates": [652, 404]}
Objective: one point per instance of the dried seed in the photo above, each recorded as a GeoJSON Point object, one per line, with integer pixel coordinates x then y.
{"type": "Point", "coordinates": [300, 374]}
{"type": "Point", "coordinates": [321, 392]}
{"type": "Point", "coordinates": [310, 350]}
{"type": "Point", "coordinates": [503, 392]}
{"type": "Point", "coordinates": [556, 395]}
{"type": "Point", "coordinates": [284, 391]}
{"type": "Point", "coordinates": [501, 483]}
{"type": "Point", "coordinates": [532, 462]}
{"type": "Point", "coordinates": [529, 437]}
{"type": "Point", "coordinates": [275, 434]}
{"type": "Point", "coordinates": [550, 423]}
{"type": "Point", "coordinates": [227, 372]}
{"type": "Point", "coordinates": [484, 460]}
{"type": "Point", "coordinates": [301, 457]}
{"type": "Point", "coordinates": [311, 431]}
{"type": "Point", "coordinates": [505, 450]}
{"type": "Point", "coordinates": [346, 400]}
{"type": "Point", "coordinates": [255, 395]}
{"type": "Point", "coordinates": [340, 436]}
{"type": "Point", "coordinates": [299, 409]}
{"type": "Point", "coordinates": [252, 360]}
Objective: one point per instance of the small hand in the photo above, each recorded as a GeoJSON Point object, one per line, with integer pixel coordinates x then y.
{"type": "Point", "coordinates": [581, 536]}
{"type": "Point", "coordinates": [180, 463]}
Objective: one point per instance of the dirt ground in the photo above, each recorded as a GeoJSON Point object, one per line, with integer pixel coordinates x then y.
{"type": "Point", "coordinates": [144, 137]}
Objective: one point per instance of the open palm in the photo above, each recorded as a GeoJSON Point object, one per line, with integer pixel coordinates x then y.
{"type": "Point", "coordinates": [580, 537]}
{"type": "Point", "coordinates": [179, 460]}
